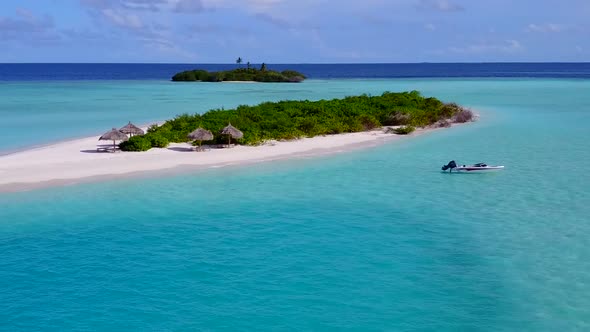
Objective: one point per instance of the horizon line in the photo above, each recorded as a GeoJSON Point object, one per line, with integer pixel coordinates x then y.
{"type": "Point", "coordinates": [299, 63]}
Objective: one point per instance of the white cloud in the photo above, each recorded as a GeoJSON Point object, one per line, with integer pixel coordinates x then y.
{"type": "Point", "coordinates": [167, 48]}
{"type": "Point", "coordinates": [123, 20]}
{"type": "Point", "coordinates": [508, 46]}
{"type": "Point", "coordinates": [550, 27]}
{"type": "Point", "coordinates": [256, 6]}
{"type": "Point", "coordinates": [439, 5]}
{"type": "Point", "coordinates": [323, 49]}
{"type": "Point", "coordinates": [430, 27]}
{"type": "Point", "coordinates": [183, 6]}
{"type": "Point", "coordinates": [26, 15]}
{"type": "Point", "coordinates": [188, 6]}
{"type": "Point", "coordinates": [262, 4]}
{"type": "Point", "coordinates": [276, 21]}
{"type": "Point", "coordinates": [26, 26]}
{"type": "Point", "coordinates": [145, 22]}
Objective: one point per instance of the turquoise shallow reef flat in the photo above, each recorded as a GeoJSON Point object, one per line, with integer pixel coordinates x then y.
{"type": "Point", "coordinates": [377, 239]}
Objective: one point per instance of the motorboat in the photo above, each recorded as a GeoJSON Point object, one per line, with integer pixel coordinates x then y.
{"type": "Point", "coordinates": [479, 167]}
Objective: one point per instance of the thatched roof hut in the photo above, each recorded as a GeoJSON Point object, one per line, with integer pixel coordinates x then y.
{"type": "Point", "coordinates": [113, 135]}
{"type": "Point", "coordinates": [231, 131]}
{"type": "Point", "coordinates": [201, 134]}
{"type": "Point", "coordinates": [131, 129]}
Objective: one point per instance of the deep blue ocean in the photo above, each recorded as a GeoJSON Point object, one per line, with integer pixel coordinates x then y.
{"type": "Point", "coordinates": [51, 72]}
{"type": "Point", "coordinates": [370, 240]}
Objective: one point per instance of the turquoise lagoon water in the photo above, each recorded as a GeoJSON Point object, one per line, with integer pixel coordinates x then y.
{"type": "Point", "coordinates": [35, 113]}
{"type": "Point", "coordinates": [377, 239]}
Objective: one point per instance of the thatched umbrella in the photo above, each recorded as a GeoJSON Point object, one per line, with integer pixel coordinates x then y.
{"type": "Point", "coordinates": [201, 135]}
{"type": "Point", "coordinates": [113, 135]}
{"type": "Point", "coordinates": [231, 131]}
{"type": "Point", "coordinates": [131, 129]}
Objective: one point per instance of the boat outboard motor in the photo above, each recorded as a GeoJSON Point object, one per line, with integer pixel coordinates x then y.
{"type": "Point", "coordinates": [452, 164]}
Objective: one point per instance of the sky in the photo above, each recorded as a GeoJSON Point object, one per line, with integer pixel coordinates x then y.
{"type": "Point", "coordinates": [294, 31]}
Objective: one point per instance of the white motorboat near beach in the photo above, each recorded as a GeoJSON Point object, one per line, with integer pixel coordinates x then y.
{"type": "Point", "coordinates": [479, 167]}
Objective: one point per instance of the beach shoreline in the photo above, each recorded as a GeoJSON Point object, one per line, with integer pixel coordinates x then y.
{"type": "Point", "coordinates": [77, 161]}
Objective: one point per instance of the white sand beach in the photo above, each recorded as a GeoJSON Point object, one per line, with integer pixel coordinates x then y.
{"type": "Point", "coordinates": [76, 161]}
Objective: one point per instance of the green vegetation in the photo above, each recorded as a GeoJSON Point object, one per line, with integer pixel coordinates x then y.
{"type": "Point", "coordinates": [158, 141]}
{"type": "Point", "coordinates": [136, 143]}
{"type": "Point", "coordinates": [295, 119]}
{"type": "Point", "coordinates": [404, 130]}
{"type": "Point", "coordinates": [240, 74]}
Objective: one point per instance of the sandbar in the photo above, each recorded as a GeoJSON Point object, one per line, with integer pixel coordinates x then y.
{"type": "Point", "coordinates": [76, 161]}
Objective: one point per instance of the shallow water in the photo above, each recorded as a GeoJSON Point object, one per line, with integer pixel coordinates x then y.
{"type": "Point", "coordinates": [372, 240]}
{"type": "Point", "coordinates": [38, 113]}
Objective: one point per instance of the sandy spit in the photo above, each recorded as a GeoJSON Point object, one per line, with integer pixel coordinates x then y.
{"type": "Point", "coordinates": [76, 161]}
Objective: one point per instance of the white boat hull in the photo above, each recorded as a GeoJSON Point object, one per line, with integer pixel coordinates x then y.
{"type": "Point", "coordinates": [473, 168]}
{"type": "Point", "coordinates": [477, 168]}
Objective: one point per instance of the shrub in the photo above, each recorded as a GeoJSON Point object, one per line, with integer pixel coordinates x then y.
{"type": "Point", "coordinates": [311, 127]}
{"type": "Point", "coordinates": [152, 128]}
{"type": "Point", "coordinates": [442, 124]}
{"type": "Point", "coordinates": [136, 143]}
{"type": "Point", "coordinates": [307, 125]}
{"type": "Point", "coordinates": [353, 125]}
{"type": "Point", "coordinates": [293, 74]}
{"type": "Point", "coordinates": [289, 135]}
{"type": "Point", "coordinates": [158, 141]}
{"type": "Point", "coordinates": [295, 79]}
{"type": "Point", "coordinates": [404, 130]}
{"type": "Point", "coordinates": [464, 115]}
{"type": "Point", "coordinates": [369, 122]}
{"type": "Point", "coordinates": [269, 76]}
{"type": "Point", "coordinates": [449, 109]}
{"type": "Point", "coordinates": [396, 119]}
{"type": "Point", "coordinates": [336, 128]}
{"type": "Point", "coordinates": [185, 76]}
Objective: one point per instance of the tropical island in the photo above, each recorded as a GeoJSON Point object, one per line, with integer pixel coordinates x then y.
{"type": "Point", "coordinates": [289, 120]}
{"type": "Point", "coordinates": [265, 132]}
{"type": "Point", "coordinates": [247, 74]}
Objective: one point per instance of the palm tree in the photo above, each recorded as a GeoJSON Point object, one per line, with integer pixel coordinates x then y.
{"type": "Point", "coordinates": [239, 61]}
{"type": "Point", "coordinates": [248, 64]}
{"type": "Point", "coordinates": [263, 67]}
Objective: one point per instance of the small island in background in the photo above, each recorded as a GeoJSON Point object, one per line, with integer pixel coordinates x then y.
{"type": "Point", "coordinates": [248, 74]}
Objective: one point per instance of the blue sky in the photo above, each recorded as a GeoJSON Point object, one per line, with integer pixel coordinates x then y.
{"type": "Point", "coordinates": [294, 31]}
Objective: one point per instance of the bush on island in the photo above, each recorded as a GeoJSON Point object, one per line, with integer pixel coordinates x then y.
{"type": "Point", "coordinates": [442, 124]}
{"type": "Point", "coordinates": [405, 130]}
{"type": "Point", "coordinates": [240, 74]}
{"type": "Point", "coordinates": [136, 144]}
{"type": "Point", "coordinates": [157, 141]}
{"type": "Point", "coordinates": [290, 119]}
{"type": "Point", "coordinates": [368, 122]}
{"type": "Point", "coordinates": [396, 118]}
{"type": "Point", "coordinates": [464, 115]}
